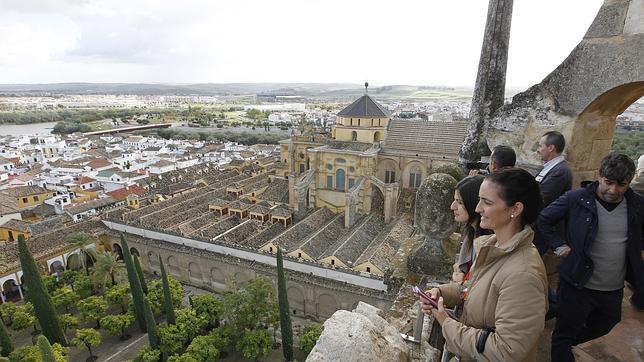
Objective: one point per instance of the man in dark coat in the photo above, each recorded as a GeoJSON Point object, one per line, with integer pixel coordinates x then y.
{"type": "Point", "coordinates": [556, 177]}
{"type": "Point", "coordinates": [603, 247]}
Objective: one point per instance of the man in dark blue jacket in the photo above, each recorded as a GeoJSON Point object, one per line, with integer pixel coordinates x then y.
{"type": "Point", "coordinates": [604, 235]}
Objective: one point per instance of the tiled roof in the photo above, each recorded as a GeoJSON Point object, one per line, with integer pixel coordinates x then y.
{"type": "Point", "coordinates": [365, 107]}
{"type": "Point", "coordinates": [8, 205]}
{"type": "Point", "coordinates": [48, 224]}
{"type": "Point", "coordinates": [323, 238]}
{"type": "Point", "coordinates": [22, 191]}
{"type": "Point", "coordinates": [162, 163]}
{"type": "Point", "coordinates": [98, 163]}
{"type": "Point", "coordinates": [240, 205]}
{"type": "Point", "coordinates": [276, 191]}
{"type": "Point", "coordinates": [121, 194]}
{"type": "Point", "coordinates": [281, 212]}
{"type": "Point", "coordinates": [349, 249]}
{"type": "Point", "coordinates": [107, 173]}
{"type": "Point", "coordinates": [84, 180]}
{"type": "Point", "coordinates": [18, 225]}
{"type": "Point", "coordinates": [219, 203]}
{"type": "Point", "coordinates": [349, 146]}
{"type": "Point", "coordinates": [419, 136]}
{"type": "Point", "coordinates": [47, 244]}
{"type": "Point", "coordinates": [260, 209]}
{"type": "Point", "coordinates": [43, 210]}
{"type": "Point", "coordinates": [89, 205]}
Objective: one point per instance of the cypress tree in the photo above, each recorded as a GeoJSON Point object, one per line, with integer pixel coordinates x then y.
{"type": "Point", "coordinates": [135, 285]}
{"type": "Point", "coordinates": [139, 273]}
{"type": "Point", "coordinates": [285, 316]}
{"type": "Point", "coordinates": [6, 345]}
{"type": "Point", "coordinates": [38, 296]}
{"type": "Point", "coordinates": [153, 333]}
{"type": "Point", "coordinates": [46, 352]}
{"type": "Point", "coordinates": [167, 297]}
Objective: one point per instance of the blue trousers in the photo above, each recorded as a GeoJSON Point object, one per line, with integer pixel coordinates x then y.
{"type": "Point", "coordinates": [583, 315]}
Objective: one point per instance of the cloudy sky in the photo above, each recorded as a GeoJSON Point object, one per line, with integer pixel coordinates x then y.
{"type": "Point", "coordinates": [424, 42]}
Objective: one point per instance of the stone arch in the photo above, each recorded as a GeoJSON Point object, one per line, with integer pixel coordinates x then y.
{"type": "Point", "coordinates": [581, 98]}
{"type": "Point", "coordinates": [134, 251]}
{"type": "Point", "coordinates": [194, 272]}
{"type": "Point", "coordinates": [593, 131]}
{"type": "Point", "coordinates": [240, 277]}
{"type": "Point", "coordinates": [377, 199]}
{"type": "Point", "coordinates": [173, 266]}
{"type": "Point", "coordinates": [296, 300]}
{"type": "Point", "coordinates": [11, 290]}
{"type": "Point", "coordinates": [326, 305]}
{"type": "Point", "coordinates": [118, 250]}
{"type": "Point", "coordinates": [340, 179]}
{"type": "Point", "coordinates": [217, 276]}
{"type": "Point", "coordinates": [153, 259]}
{"type": "Point", "coordinates": [414, 172]}
{"type": "Point", "coordinates": [73, 262]}
{"type": "Point", "coordinates": [377, 136]}
{"type": "Point", "coordinates": [56, 267]}
{"type": "Point", "coordinates": [388, 170]}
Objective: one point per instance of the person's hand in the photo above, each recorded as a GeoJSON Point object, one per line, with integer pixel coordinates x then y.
{"type": "Point", "coordinates": [439, 313]}
{"type": "Point", "coordinates": [457, 277]}
{"type": "Point", "coordinates": [563, 251]}
{"type": "Point", "coordinates": [474, 172]}
{"type": "Point", "coordinates": [427, 308]}
{"type": "Point", "coordinates": [457, 274]}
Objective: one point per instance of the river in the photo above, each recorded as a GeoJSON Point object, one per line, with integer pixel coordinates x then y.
{"type": "Point", "coordinates": [26, 129]}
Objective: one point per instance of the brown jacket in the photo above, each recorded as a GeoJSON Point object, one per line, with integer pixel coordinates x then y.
{"type": "Point", "coordinates": [507, 291]}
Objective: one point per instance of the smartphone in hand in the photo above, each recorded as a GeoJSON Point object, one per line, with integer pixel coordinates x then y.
{"type": "Point", "coordinates": [419, 292]}
{"type": "Point", "coordinates": [427, 298]}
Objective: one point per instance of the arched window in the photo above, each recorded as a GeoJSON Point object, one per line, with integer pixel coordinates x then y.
{"type": "Point", "coordinates": [415, 175]}
{"type": "Point", "coordinates": [339, 179]}
{"type": "Point", "coordinates": [377, 137]}
{"type": "Point", "coordinates": [354, 135]}
{"type": "Point", "coordinates": [390, 176]}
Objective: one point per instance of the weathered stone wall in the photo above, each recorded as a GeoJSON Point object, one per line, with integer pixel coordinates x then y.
{"type": "Point", "coordinates": [309, 296]}
{"type": "Point", "coordinates": [582, 97]}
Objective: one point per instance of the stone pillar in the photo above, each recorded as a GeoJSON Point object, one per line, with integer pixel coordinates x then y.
{"type": "Point", "coordinates": [20, 291]}
{"type": "Point", "coordinates": [387, 204]}
{"type": "Point", "coordinates": [292, 195]}
{"type": "Point", "coordinates": [489, 91]}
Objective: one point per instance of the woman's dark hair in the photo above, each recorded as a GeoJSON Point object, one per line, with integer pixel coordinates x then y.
{"type": "Point", "coordinates": [518, 185]}
{"type": "Point", "coordinates": [468, 188]}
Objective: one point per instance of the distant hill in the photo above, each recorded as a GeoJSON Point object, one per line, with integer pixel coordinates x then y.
{"type": "Point", "coordinates": [308, 90]}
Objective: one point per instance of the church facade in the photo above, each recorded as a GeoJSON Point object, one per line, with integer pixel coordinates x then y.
{"type": "Point", "coordinates": [368, 162]}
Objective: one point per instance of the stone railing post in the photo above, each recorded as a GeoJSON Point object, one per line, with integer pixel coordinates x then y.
{"type": "Point", "coordinates": [436, 339]}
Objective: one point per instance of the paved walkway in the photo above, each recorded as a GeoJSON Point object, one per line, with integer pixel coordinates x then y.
{"type": "Point", "coordinates": [624, 343]}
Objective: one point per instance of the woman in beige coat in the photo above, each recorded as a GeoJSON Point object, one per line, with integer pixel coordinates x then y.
{"type": "Point", "coordinates": [505, 299]}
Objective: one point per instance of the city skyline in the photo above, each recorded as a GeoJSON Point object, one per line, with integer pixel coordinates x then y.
{"type": "Point", "coordinates": [229, 42]}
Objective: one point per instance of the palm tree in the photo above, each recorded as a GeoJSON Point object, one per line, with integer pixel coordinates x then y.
{"type": "Point", "coordinates": [81, 240]}
{"type": "Point", "coordinates": [107, 265]}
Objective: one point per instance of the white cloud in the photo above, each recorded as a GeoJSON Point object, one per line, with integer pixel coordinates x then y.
{"type": "Point", "coordinates": [411, 42]}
